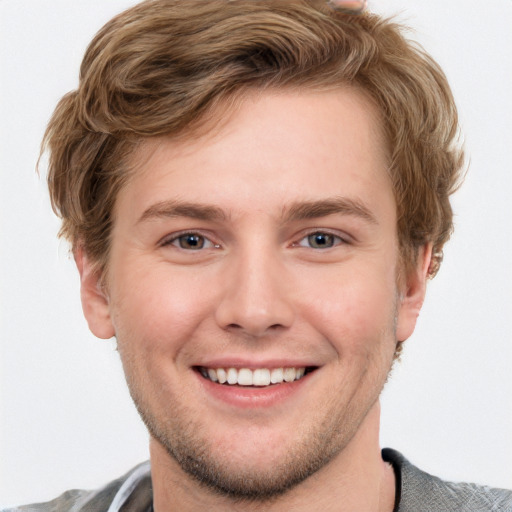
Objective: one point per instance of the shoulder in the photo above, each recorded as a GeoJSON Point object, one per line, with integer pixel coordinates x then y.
{"type": "Point", "coordinates": [67, 501]}
{"type": "Point", "coordinates": [422, 491]}
{"type": "Point", "coordinates": [99, 500]}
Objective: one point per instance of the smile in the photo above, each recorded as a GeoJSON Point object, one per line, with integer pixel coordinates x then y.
{"type": "Point", "coordinates": [256, 377]}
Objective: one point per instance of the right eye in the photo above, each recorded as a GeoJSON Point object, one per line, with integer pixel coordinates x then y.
{"type": "Point", "coordinates": [190, 242]}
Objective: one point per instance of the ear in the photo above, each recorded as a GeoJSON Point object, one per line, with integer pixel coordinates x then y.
{"type": "Point", "coordinates": [413, 294]}
{"type": "Point", "coordinates": [95, 303]}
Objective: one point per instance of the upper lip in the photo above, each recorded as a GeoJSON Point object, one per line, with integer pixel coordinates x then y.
{"type": "Point", "coordinates": [253, 364]}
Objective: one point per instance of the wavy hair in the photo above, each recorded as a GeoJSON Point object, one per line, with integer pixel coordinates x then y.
{"type": "Point", "coordinates": [162, 67]}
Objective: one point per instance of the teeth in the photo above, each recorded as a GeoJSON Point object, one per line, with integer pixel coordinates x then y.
{"type": "Point", "coordinates": [244, 377]}
{"type": "Point", "coordinates": [258, 377]}
{"type": "Point", "coordinates": [222, 375]}
{"type": "Point", "coordinates": [261, 377]}
{"type": "Point", "coordinates": [289, 374]}
{"type": "Point", "coordinates": [232, 376]}
{"type": "Point", "coordinates": [276, 375]}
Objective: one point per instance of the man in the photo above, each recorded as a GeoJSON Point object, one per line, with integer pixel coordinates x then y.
{"type": "Point", "coordinates": [256, 194]}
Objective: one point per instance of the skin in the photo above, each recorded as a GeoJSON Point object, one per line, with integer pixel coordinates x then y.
{"type": "Point", "coordinates": [260, 293]}
{"type": "Point", "coordinates": [349, 5]}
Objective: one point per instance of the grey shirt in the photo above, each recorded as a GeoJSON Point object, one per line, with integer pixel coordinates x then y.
{"type": "Point", "coordinates": [417, 491]}
{"type": "Point", "coordinates": [421, 492]}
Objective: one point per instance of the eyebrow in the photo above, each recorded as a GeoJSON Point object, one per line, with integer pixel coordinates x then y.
{"type": "Point", "coordinates": [331, 206]}
{"type": "Point", "coordinates": [174, 208]}
{"type": "Point", "coordinates": [300, 210]}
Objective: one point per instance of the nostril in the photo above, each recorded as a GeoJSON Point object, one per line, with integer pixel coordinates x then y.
{"type": "Point", "coordinates": [254, 330]}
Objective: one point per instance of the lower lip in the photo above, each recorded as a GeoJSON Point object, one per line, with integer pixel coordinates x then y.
{"type": "Point", "coordinates": [248, 397]}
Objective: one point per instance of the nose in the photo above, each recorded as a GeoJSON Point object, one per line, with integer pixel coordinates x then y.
{"type": "Point", "coordinates": [255, 300]}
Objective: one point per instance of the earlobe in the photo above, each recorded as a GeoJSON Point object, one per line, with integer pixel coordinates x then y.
{"type": "Point", "coordinates": [413, 295]}
{"type": "Point", "coordinates": [95, 304]}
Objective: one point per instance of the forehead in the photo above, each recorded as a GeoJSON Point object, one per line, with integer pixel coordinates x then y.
{"type": "Point", "coordinates": [268, 147]}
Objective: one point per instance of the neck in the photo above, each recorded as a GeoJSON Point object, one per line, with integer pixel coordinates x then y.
{"type": "Point", "coordinates": [356, 479]}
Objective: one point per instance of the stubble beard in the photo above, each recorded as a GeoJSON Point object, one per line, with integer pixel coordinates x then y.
{"type": "Point", "coordinates": [188, 444]}
{"type": "Point", "coordinates": [198, 459]}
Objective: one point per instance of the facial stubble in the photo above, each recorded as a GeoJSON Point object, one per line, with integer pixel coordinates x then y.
{"type": "Point", "coordinates": [187, 442]}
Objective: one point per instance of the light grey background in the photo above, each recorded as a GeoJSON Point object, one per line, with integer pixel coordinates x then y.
{"type": "Point", "coordinates": [66, 418]}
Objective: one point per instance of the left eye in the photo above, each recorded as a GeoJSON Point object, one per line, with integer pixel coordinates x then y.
{"type": "Point", "coordinates": [320, 240]}
{"type": "Point", "coordinates": [191, 241]}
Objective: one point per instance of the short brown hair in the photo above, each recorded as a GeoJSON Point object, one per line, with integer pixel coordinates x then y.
{"type": "Point", "coordinates": [162, 66]}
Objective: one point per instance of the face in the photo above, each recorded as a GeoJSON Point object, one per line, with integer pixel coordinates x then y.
{"type": "Point", "coordinates": [252, 289]}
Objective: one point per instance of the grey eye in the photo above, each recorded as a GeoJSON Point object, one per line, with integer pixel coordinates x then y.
{"type": "Point", "coordinates": [321, 240]}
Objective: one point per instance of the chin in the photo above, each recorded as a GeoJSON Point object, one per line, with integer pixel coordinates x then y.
{"type": "Point", "coordinates": [243, 479]}
{"type": "Point", "coordinates": [254, 465]}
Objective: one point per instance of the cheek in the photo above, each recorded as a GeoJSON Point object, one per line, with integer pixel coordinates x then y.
{"type": "Point", "coordinates": [158, 311]}
{"type": "Point", "coordinates": [357, 313]}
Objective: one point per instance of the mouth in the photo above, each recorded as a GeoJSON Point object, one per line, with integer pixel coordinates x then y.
{"type": "Point", "coordinates": [259, 377]}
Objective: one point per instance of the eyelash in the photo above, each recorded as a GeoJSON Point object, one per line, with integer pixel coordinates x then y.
{"type": "Point", "coordinates": [337, 239]}
{"type": "Point", "coordinates": [174, 240]}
